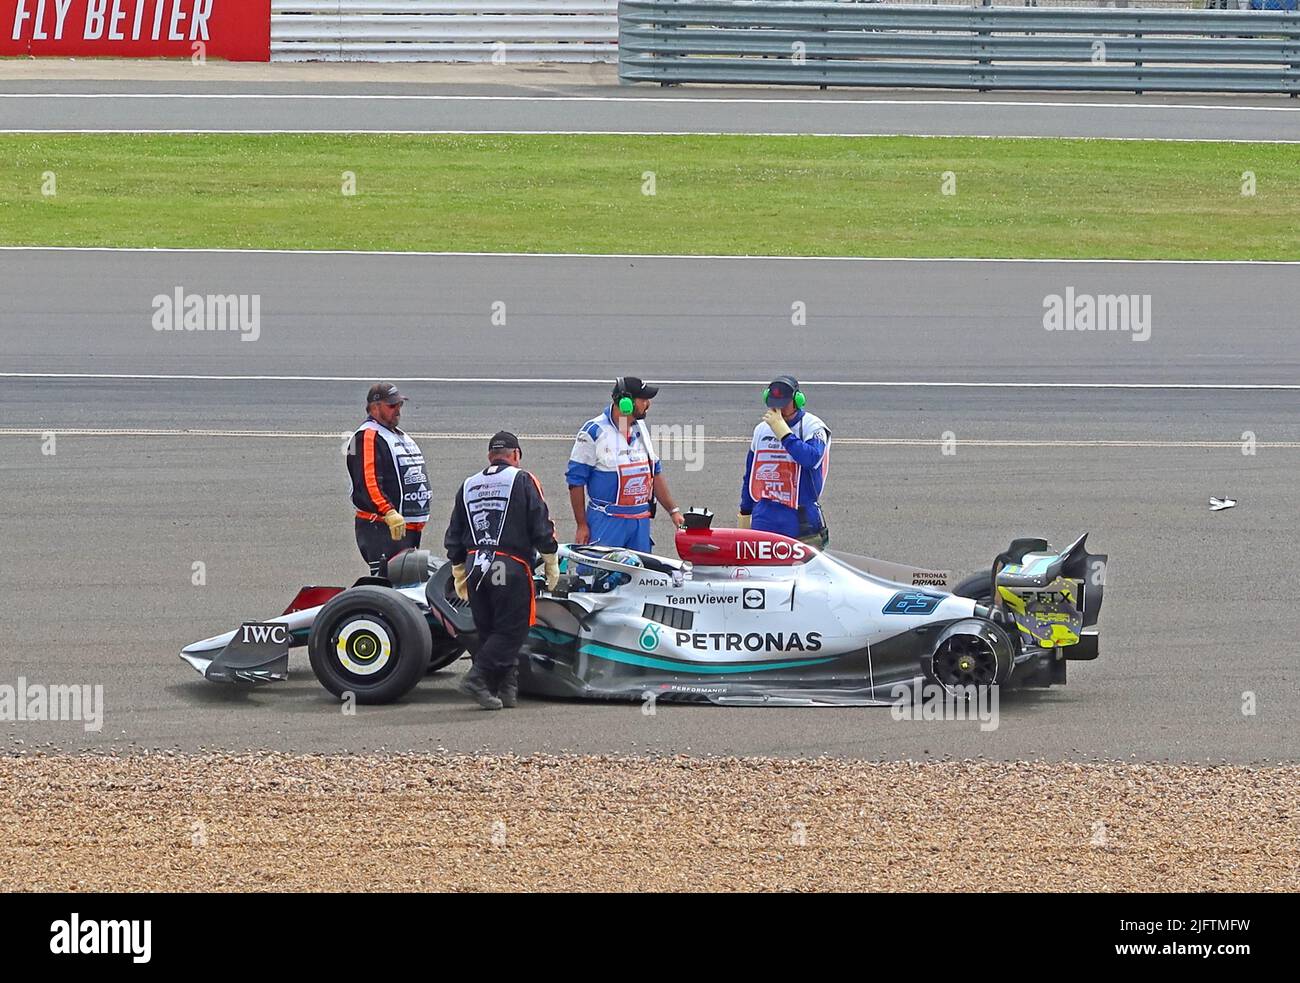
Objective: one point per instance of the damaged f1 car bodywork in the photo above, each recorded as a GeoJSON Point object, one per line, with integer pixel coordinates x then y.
{"type": "Point", "coordinates": [737, 617]}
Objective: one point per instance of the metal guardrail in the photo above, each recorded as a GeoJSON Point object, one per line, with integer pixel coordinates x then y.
{"type": "Point", "coordinates": [1149, 4]}
{"type": "Point", "coordinates": [807, 42]}
{"type": "Point", "coordinates": [444, 30]}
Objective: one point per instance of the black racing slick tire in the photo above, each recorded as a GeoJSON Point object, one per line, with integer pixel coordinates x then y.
{"type": "Point", "coordinates": [370, 642]}
{"type": "Point", "coordinates": [978, 587]}
{"type": "Point", "coordinates": [970, 655]}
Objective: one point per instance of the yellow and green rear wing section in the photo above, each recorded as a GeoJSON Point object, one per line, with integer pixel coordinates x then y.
{"type": "Point", "coordinates": [1054, 597]}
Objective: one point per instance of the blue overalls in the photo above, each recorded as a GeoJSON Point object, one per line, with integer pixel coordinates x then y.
{"type": "Point", "coordinates": [618, 471]}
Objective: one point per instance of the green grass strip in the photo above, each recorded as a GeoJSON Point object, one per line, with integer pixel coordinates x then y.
{"type": "Point", "coordinates": [807, 196]}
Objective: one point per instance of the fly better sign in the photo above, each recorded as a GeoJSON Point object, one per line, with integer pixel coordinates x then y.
{"type": "Point", "coordinates": [237, 30]}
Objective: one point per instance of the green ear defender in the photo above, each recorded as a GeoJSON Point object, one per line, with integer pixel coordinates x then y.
{"type": "Point", "coordinates": [625, 404]}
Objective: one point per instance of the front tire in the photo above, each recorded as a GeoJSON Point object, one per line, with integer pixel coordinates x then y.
{"type": "Point", "coordinates": [371, 642]}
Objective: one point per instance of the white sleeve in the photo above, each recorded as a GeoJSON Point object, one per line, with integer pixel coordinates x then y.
{"type": "Point", "coordinates": [584, 449]}
{"type": "Point", "coordinates": [814, 429]}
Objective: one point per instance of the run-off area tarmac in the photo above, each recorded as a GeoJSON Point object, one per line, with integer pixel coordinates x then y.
{"type": "Point", "coordinates": [100, 538]}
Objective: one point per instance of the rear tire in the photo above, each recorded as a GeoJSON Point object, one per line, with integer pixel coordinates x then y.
{"type": "Point", "coordinates": [970, 656]}
{"type": "Point", "coordinates": [978, 587]}
{"type": "Point", "coordinates": [968, 663]}
{"type": "Point", "coordinates": [371, 642]}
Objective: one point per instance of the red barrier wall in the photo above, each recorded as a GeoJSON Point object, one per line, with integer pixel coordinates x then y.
{"type": "Point", "coordinates": [237, 30]}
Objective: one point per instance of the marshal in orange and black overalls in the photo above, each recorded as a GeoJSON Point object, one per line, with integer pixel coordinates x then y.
{"type": "Point", "coordinates": [498, 525]}
{"type": "Point", "coordinates": [387, 471]}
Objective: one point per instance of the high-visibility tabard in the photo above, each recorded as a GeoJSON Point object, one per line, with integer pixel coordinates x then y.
{"type": "Point", "coordinates": [775, 477]}
{"type": "Point", "coordinates": [487, 500]}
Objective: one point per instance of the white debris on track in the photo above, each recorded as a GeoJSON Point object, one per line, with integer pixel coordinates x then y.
{"type": "Point", "coordinates": [272, 821]}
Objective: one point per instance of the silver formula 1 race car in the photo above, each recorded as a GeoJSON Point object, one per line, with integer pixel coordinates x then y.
{"type": "Point", "coordinates": [738, 617]}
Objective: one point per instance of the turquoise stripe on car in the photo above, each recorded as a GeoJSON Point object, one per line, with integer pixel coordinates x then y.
{"type": "Point", "coordinates": [552, 635]}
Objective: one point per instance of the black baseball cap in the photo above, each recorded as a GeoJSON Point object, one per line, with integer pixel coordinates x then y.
{"type": "Point", "coordinates": [781, 390]}
{"type": "Point", "coordinates": [504, 440]}
{"type": "Point", "coordinates": [630, 385]}
{"type": "Point", "coordinates": [384, 392]}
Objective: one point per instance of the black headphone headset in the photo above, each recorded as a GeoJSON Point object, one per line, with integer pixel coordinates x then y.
{"type": "Point", "coordinates": [800, 400]}
{"type": "Point", "coordinates": [625, 404]}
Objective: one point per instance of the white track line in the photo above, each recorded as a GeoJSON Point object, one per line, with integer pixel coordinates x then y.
{"type": "Point", "coordinates": [330, 131]}
{"type": "Point", "coordinates": [643, 256]}
{"type": "Point", "coordinates": [749, 383]}
{"type": "Point", "coordinates": [650, 100]}
{"type": "Point", "coordinates": [568, 438]}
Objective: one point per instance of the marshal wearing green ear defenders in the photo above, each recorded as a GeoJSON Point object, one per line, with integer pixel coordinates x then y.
{"type": "Point", "coordinates": [785, 473]}
{"type": "Point", "coordinates": [784, 386]}
{"type": "Point", "coordinates": [614, 476]}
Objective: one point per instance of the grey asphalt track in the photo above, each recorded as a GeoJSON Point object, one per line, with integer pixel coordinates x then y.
{"type": "Point", "coordinates": [887, 320]}
{"type": "Point", "coordinates": [100, 539]}
{"type": "Point", "coordinates": [600, 105]}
